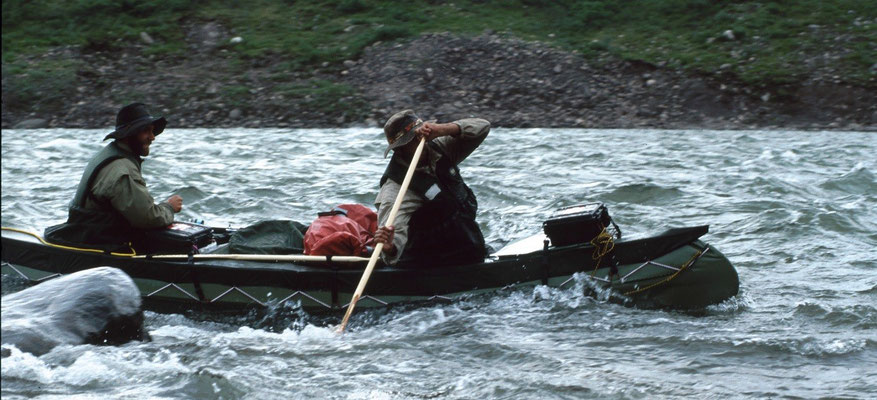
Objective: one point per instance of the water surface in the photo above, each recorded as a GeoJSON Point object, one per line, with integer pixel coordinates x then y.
{"type": "Point", "coordinates": [794, 211]}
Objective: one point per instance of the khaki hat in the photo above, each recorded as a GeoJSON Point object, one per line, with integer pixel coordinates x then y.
{"type": "Point", "coordinates": [400, 129]}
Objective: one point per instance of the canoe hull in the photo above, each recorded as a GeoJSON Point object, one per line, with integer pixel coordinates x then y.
{"type": "Point", "coordinates": [648, 275]}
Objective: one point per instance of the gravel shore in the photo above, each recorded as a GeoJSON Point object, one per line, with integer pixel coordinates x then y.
{"type": "Point", "coordinates": [512, 83]}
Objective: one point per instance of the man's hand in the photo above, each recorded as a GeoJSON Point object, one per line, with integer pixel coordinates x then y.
{"type": "Point", "coordinates": [385, 235]}
{"type": "Point", "coordinates": [430, 131]}
{"type": "Point", "coordinates": [176, 203]}
{"type": "Point", "coordinates": [427, 131]}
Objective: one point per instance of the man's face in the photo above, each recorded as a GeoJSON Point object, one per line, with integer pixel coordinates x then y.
{"type": "Point", "coordinates": [407, 150]}
{"type": "Point", "coordinates": [144, 139]}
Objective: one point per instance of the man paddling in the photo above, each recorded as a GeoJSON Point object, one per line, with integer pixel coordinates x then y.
{"type": "Point", "coordinates": [112, 205]}
{"type": "Point", "coordinates": [435, 224]}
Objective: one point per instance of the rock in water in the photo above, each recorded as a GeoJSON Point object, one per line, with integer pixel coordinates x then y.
{"type": "Point", "coordinates": [33, 123]}
{"type": "Point", "coordinates": [95, 306]}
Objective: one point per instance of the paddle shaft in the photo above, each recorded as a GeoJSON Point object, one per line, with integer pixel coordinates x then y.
{"type": "Point", "coordinates": [380, 246]}
{"type": "Point", "coordinates": [258, 257]}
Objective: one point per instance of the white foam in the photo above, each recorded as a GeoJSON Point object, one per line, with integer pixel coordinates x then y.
{"type": "Point", "coordinates": [92, 365]}
{"type": "Point", "coordinates": [24, 366]}
{"type": "Point", "coordinates": [370, 395]}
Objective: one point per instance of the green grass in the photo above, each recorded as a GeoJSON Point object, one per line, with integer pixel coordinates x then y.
{"type": "Point", "coordinates": [235, 94]}
{"type": "Point", "coordinates": [33, 25]}
{"type": "Point", "coordinates": [773, 37]}
{"type": "Point", "coordinates": [322, 96]}
{"type": "Point", "coordinates": [42, 87]}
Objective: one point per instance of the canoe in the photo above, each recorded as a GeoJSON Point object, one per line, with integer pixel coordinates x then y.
{"type": "Point", "coordinates": [674, 269]}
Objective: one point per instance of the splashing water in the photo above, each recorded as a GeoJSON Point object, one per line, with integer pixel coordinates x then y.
{"type": "Point", "coordinates": [794, 212]}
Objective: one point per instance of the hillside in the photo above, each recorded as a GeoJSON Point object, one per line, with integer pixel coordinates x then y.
{"type": "Point", "coordinates": [671, 63]}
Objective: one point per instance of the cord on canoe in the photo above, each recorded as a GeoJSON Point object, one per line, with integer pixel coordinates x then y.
{"type": "Point", "coordinates": [43, 241]}
{"type": "Point", "coordinates": [685, 266]}
{"type": "Point", "coordinates": [603, 245]}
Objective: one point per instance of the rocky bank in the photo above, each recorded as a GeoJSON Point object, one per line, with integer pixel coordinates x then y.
{"type": "Point", "coordinates": [512, 83]}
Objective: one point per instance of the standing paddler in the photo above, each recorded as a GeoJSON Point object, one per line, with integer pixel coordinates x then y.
{"type": "Point", "coordinates": [435, 224]}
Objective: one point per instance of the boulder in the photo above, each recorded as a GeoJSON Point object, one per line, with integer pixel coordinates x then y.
{"type": "Point", "coordinates": [33, 123]}
{"type": "Point", "coordinates": [98, 306]}
{"type": "Point", "coordinates": [207, 37]}
{"type": "Point", "coordinates": [146, 38]}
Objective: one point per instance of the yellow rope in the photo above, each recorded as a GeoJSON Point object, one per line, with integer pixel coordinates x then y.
{"type": "Point", "coordinates": [687, 264]}
{"type": "Point", "coordinates": [603, 244]}
{"type": "Point", "coordinates": [133, 253]}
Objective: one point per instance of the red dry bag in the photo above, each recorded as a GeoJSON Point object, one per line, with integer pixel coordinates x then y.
{"type": "Point", "coordinates": [347, 230]}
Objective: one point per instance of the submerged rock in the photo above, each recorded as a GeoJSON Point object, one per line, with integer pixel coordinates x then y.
{"type": "Point", "coordinates": [33, 123]}
{"type": "Point", "coordinates": [96, 306]}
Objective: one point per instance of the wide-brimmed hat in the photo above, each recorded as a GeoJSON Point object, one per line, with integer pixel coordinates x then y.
{"type": "Point", "coordinates": [400, 129]}
{"type": "Point", "coordinates": [132, 119]}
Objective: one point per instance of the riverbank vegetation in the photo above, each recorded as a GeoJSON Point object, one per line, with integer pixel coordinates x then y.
{"type": "Point", "coordinates": [756, 43]}
{"type": "Point", "coordinates": [756, 40]}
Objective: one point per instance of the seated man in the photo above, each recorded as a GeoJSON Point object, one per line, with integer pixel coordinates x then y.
{"type": "Point", "coordinates": [112, 206]}
{"type": "Point", "coordinates": [435, 224]}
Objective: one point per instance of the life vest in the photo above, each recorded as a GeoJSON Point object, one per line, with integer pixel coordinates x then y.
{"type": "Point", "coordinates": [347, 230]}
{"type": "Point", "coordinates": [443, 231]}
{"type": "Point", "coordinates": [104, 227]}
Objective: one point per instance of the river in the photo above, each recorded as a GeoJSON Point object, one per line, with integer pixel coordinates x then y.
{"type": "Point", "coordinates": [795, 212]}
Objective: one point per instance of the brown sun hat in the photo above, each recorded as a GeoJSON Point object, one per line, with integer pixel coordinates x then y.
{"type": "Point", "coordinates": [400, 129]}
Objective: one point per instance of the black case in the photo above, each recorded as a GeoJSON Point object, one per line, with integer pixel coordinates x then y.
{"type": "Point", "coordinates": [178, 238]}
{"type": "Point", "coordinates": [576, 224]}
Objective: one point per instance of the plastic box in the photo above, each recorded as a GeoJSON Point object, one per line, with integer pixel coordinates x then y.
{"type": "Point", "coordinates": [576, 224]}
{"type": "Point", "coordinates": [178, 238]}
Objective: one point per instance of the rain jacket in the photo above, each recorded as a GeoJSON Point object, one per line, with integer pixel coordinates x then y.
{"type": "Point", "coordinates": [112, 204]}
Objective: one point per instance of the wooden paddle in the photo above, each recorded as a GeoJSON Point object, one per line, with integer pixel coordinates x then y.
{"type": "Point", "coordinates": [377, 253]}
{"type": "Point", "coordinates": [258, 257]}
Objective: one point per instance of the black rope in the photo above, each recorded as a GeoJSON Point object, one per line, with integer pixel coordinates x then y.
{"type": "Point", "coordinates": [195, 281]}
{"type": "Point", "coordinates": [546, 264]}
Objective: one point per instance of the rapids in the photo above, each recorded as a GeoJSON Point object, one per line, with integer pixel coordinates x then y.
{"type": "Point", "coordinates": [794, 211]}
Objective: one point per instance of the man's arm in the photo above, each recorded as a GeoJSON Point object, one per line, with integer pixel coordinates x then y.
{"type": "Point", "coordinates": [471, 133]}
{"type": "Point", "coordinates": [410, 203]}
{"type": "Point", "coordinates": [126, 190]}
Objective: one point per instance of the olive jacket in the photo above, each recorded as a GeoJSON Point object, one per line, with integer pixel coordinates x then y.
{"type": "Point", "coordinates": [121, 184]}
{"type": "Point", "coordinates": [473, 131]}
